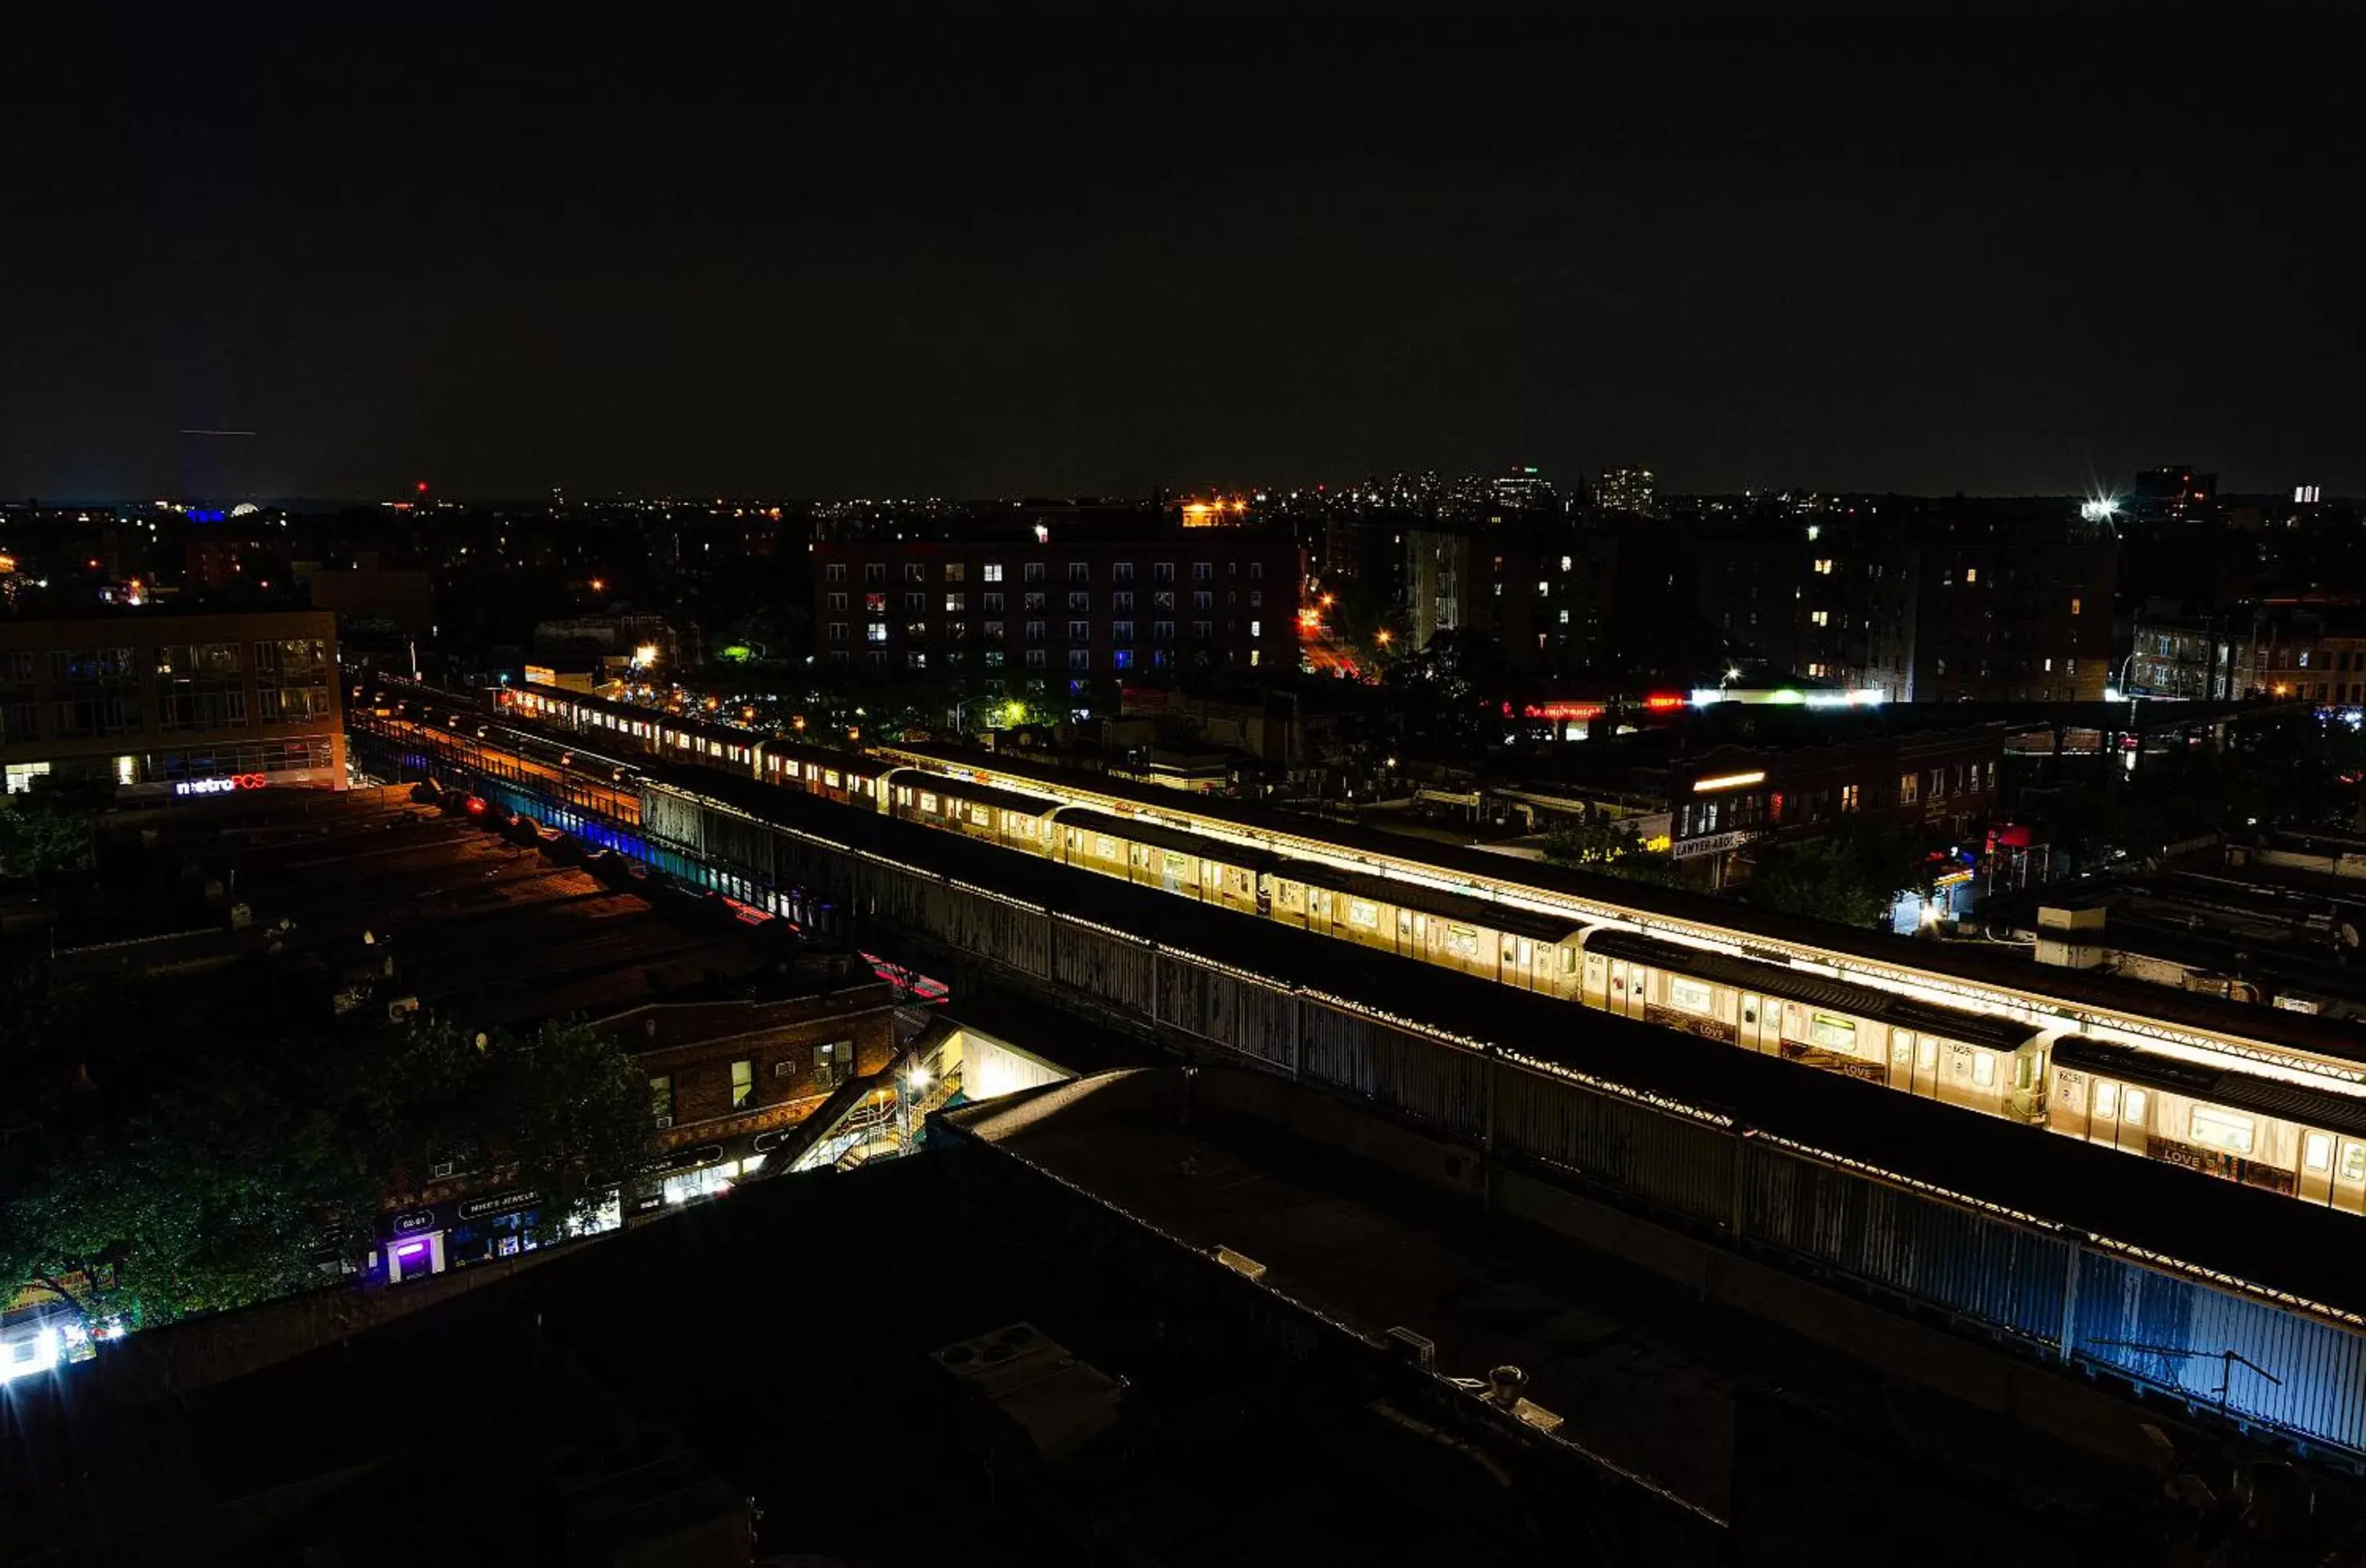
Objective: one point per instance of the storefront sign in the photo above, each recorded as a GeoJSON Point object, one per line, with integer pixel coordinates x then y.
{"type": "Point", "coordinates": [220, 786]}
{"type": "Point", "coordinates": [1712, 844]}
{"type": "Point", "coordinates": [413, 1221]}
{"type": "Point", "coordinates": [507, 1204]}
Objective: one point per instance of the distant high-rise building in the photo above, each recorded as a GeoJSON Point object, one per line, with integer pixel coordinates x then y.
{"type": "Point", "coordinates": [1624, 489]}
{"type": "Point", "coordinates": [1523, 490]}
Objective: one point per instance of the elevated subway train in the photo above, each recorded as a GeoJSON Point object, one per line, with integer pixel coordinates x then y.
{"type": "Point", "coordinates": [2305, 1142]}
{"type": "Point", "coordinates": [2290, 1135]}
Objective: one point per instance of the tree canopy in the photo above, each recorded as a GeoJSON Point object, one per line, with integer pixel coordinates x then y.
{"type": "Point", "coordinates": [244, 1179]}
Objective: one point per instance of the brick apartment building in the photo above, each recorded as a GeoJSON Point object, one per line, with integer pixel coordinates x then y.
{"type": "Point", "coordinates": [1063, 611]}
{"type": "Point", "coordinates": [728, 1081]}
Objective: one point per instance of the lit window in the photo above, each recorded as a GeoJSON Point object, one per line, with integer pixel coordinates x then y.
{"type": "Point", "coordinates": [743, 1085]}
{"type": "Point", "coordinates": [2107, 1100]}
{"type": "Point", "coordinates": [2318, 1152]}
{"type": "Point", "coordinates": [928, 800]}
{"type": "Point", "coordinates": [1820, 617]}
{"type": "Point", "coordinates": [1984, 1069]}
{"type": "Point", "coordinates": [1971, 574]}
{"type": "Point", "coordinates": [1838, 1033]}
{"type": "Point", "coordinates": [1362, 913]}
{"type": "Point", "coordinates": [1824, 566]}
{"type": "Point", "coordinates": [2135, 1112]}
{"type": "Point", "coordinates": [1543, 589]}
{"type": "Point", "coordinates": [1564, 563]}
{"type": "Point", "coordinates": [1901, 1046]}
{"type": "Point", "coordinates": [1692, 995]}
{"type": "Point", "coordinates": [1926, 1055]}
{"type": "Point", "coordinates": [2353, 1162]}
{"type": "Point", "coordinates": [2073, 606]}
{"type": "Point", "coordinates": [661, 1101]}
{"type": "Point", "coordinates": [2216, 1129]}
{"type": "Point", "coordinates": [994, 571]}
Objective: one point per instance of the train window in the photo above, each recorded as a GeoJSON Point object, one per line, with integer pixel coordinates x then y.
{"type": "Point", "coordinates": [1750, 1013]}
{"type": "Point", "coordinates": [979, 814]}
{"type": "Point", "coordinates": [1836, 1032]}
{"type": "Point", "coordinates": [2107, 1099]}
{"type": "Point", "coordinates": [1926, 1056]}
{"type": "Point", "coordinates": [1692, 995]}
{"type": "Point", "coordinates": [928, 800]}
{"type": "Point", "coordinates": [2135, 1112]}
{"type": "Point", "coordinates": [1901, 1046]}
{"type": "Point", "coordinates": [1568, 956]}
{"type": "Point", "coordinates": [1363, 913]}
{"type": "Point", "coordinates": [830, 778]}
{"type": "Point", "coordinates": [2318, 1152]}
{"type": "Point", "coordinates": [1104, 845]}
{"type": "Point", "coordinates": [1984, 1069]}
{"type": "Point", "coordinates": [2216, 1129]}
{"type": "Point", "coordinates": [2024, 1071]}
{"type": "Point", "coordinates": [2353, 1162]}
{"type": "Point", "coordinates": [1462, 941]}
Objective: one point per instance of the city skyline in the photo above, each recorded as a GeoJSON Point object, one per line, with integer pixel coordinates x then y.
{"type": "Point", "coordinates": [925, 253]}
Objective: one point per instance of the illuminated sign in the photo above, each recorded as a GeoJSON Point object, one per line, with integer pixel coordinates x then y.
{"type": "Point", "coordinates": [220, 786]}
{"type": "Point", "coordinates": [1726, 781]}
{"type": "Point", "coordinates": [1565, 710]}
{"type": "Point", "coordinates": [1712, 844]}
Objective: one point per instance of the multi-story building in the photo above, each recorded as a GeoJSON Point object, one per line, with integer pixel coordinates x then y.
{"type": "Point", "coordinates": [1926, 602]}
{"type": "Point", "coordinates": [2008, 605]}
{"type": "Point", "coordinates": [726, 1082]}
{"type": "Point", "coordinates": [2307, 652]}
{"type": "Point", "coordinates": [1626, 489]}
{"type": "Point", "coordinates": [1061, 611]}
{"type": "Point", "coordinates": [2178, 655]}
{"type": "Point", "coordinates": [160, 704]}
{"type": "Point", "coordinates": [1724, 797]}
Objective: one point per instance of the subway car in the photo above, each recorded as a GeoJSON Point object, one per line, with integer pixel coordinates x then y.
{"type": "Point", "coordinates": [2289, 1138]}
{"type": "Point", "coordinates": [1977, 1060]}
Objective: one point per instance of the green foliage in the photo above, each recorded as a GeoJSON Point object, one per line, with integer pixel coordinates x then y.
{"type": "Point", "coordinates": [1598, 841]}
{"type": "Point", "coordinates": [44, 833]}
{"type": "Point", "coordinates": [205, 1202]}
{"type": "Point", "coordinates": [563, 1111]}
{"type": "Point", "coordinates": [221, 1195]}
{"type": "Point", "coordinates": [1852, 876]}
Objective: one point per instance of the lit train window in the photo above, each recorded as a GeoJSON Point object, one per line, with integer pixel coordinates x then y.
{"type": "Point", "coordinates": [2216, 1129]}
{"type": "Point", "coordinates": [1692, 995]}
{"type": "Point", "coordinates": [1926, 1056]}
{"type": "Point", "coordinates": [2137, 1101]}
{"type": "Point", "coordinates": [1103, 844]}
{"type": "Point", "coordinates": [1984, 1069]}
{"type": "Point", "coordinates": [1567, 954]}
{"type": "Point", "coordinates": [928, 800]}
{"type": "Point", "coordinates": [2107, 1099]}
{"type": "Point", "coordinates": [980, 815]}
{"type": "Point", "coordinates": [1836, 1032]}
{"type": "Point", "coordinates": [1360, 912]}
{"type": "Point", "coordinates": [830, 778]}
{"type": "Point", "coordinates": [1463, 941]}
{"type": "Point", "coordinates": [1901, 1046]}
{"type": "Point", "coordinates": [2353, 1162]}
{"type": "Point", "coordinates": [2318, 1152]}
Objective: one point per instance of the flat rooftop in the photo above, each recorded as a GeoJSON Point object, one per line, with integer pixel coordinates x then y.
{"type": "Point", "coordinates": [1649, 1382]}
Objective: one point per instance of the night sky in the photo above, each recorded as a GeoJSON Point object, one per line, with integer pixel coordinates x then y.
{"type": "Point", "coordinates": [894, 250]}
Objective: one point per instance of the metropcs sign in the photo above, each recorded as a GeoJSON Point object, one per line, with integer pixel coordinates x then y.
{"type": "Point", "coordinates": [220, 786]}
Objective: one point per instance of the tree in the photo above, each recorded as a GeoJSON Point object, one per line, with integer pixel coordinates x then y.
{"type": "Point", "coordinates": [1598, 841]}
{"type": "Point", "coordinates": [207, 1203]}
{"type": "Point", "coordinates": [563, 1111]}
{"type": "Point", "coordinates": [44, 833]}
{"type": "Point", "coordinates": [1853, 875]}
{"type": "Point", "coordinates": [246, 1181]}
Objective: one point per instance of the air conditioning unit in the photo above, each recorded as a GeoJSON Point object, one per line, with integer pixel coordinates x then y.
{"type": "Point", "coordinates": [664, 1121]}
{"type": "Point", "coordinates": [441, 1167]}
{"type": "Point", "coordinates": [401, 1009]}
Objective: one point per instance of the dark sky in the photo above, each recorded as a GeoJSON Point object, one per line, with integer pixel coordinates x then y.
{"type": "Point", "coordinates": [892, 249]}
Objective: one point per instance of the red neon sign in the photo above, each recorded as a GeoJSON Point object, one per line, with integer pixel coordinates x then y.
{"type": "Point", "coordinates": [1663, 702]}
